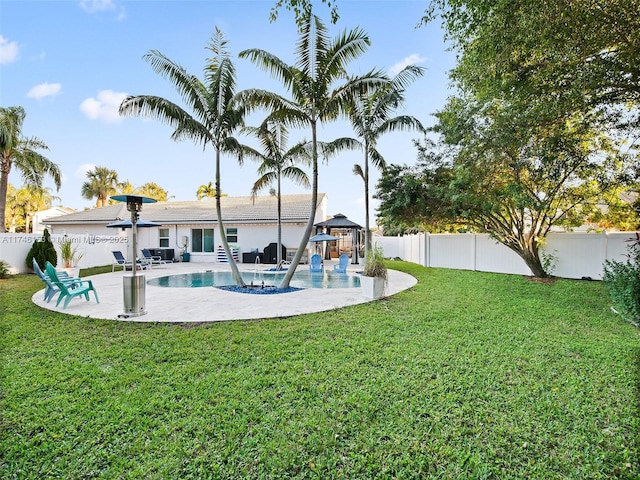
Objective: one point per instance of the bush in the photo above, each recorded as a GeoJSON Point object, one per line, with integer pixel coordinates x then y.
{"type": "Point", "coordinates": [623, 282]}
{"type": "Point", "coordinates": [4, 269]}
{"type": "Point", "coordinates": [43, 251]}
{"type": "Point", "coordinates": [374, 264]}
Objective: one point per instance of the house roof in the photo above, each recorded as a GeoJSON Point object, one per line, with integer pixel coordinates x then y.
{"type": "Point", "coordinates": [338, 221]}
{"type": "Point", "coordinates": [295, 208]}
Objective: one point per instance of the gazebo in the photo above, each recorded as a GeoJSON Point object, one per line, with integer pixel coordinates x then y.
{"type": "Point", "coordinates": [341, 222]}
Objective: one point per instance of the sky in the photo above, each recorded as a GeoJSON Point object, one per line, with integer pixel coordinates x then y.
{"type": "Point", "coordinates": [70, 63]}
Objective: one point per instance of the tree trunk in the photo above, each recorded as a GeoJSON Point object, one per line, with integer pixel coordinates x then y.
{"type": "Point", "coordinates": [367, 229]}
{"type": "Point", "coordinates": [312, 215]}
{"type": "Point", "coordinates": [532, 259]}
{"type": "Point", "coordinates": [5, 168]}
{"type": "Point", "coordinates": [223, 233]}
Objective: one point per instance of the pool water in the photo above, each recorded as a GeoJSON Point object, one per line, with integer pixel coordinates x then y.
{"type": "Point", "coordinates": [217, 279]}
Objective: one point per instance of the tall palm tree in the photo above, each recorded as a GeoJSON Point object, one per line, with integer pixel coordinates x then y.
{"type": "Point", "coordinates": [321, 64]}
{"type": "Point", "coordinates": [21, 152]}
{"type": "Point", "coordinates": [370, 115]}
{"type": "Point", "coordinates": [101, 184]}
{"type": "Point", "coordinates": [278, 162]}
{"type": "Point", "coordinates": [215, 114]}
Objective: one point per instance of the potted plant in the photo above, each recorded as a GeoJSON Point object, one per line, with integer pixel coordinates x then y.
{"type": "Point", "coordinates": [70, 257]}
{"type": "Point", "coordinates": [374, 277]}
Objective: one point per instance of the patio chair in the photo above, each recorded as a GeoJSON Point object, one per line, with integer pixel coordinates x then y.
{"type": "Point", "coordinates": [316, 264]}
{"type": "Point", "coordinates": [51, 289]}
{"type": "Point", "coordinates": [70, 290]}
{"type": "Point", "coordinates": [343, 262]}
{"type": "Point", "coordinates": [153, 259]}
{"type": "Point", "coordinates": [121, 261]}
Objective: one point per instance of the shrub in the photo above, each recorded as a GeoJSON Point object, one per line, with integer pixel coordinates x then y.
{"type": "Point", "coordinates": [4, 269]}
{"type": "Point", "coordinates": [374, 264]}
{"type": "Point", "coordinates": [623, 282]}
{"type": "Point", "coordinates": [43, 251]}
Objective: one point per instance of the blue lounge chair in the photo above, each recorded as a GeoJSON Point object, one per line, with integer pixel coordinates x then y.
{"type": "Point", "coordinates": [316, 264]}
{"type": "Point", "coordinates": [153, 260]}
{"type": "Point", "coordinates": [122, 262]}
{"type": "Point", "coordinates": [343, 262]}
{"type": "Point", "coordinates": [68, 290]}
{"type": "Point", "coordinates": [51, 289]}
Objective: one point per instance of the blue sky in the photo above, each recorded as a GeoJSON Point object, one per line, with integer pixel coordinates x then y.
{"type": "Point", "coordinates": [70, 63]}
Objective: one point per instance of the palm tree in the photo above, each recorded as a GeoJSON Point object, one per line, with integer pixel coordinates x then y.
{"type": "Point", "coordinates": [214, 116]}
{"type": "Point", "coordinates": [34, 199]}
{"type": "Point", "coordinates": [126, 188]}
{"type": "Point", "coordinates": [21, 152]}
{"type": "Point", "coordinates": [370, 113]}
{"type": "Point", "coordinates": [278, 163]}
{"type": "Point", "coordinates": [153, 190]}
{"type": "Point", "coordinates": [206, 191]}
{"type": "Point", "coordinates": [321, 63]}
{"type": "Point", "coordinates": [101, 184]}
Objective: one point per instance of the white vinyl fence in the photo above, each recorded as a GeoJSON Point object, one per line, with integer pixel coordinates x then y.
{"type": "Point", "coordinates": [95, 249]}
{"type": "Point", "coordinates": [575, 255]}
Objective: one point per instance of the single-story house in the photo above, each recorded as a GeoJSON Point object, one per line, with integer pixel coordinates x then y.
{"type": "Point", "coordinates": [192, 226]}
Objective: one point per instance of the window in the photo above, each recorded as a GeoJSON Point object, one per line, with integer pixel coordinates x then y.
{"type": "Point", "coordinates": [202, 240]}
{"type": "Point", "coordinates": [164, 237]}
{"type": "Point", "coordinates": [232, 235]}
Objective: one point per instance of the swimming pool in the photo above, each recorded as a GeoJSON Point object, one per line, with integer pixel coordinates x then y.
{"type": "Point", "coordinates": [302, 279]}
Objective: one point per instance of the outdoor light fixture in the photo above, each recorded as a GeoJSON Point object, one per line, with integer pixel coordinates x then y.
{"type": "Point", "coordinates": [133, 286]}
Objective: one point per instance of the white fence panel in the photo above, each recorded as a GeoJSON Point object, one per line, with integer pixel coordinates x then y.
{"type": "Point", "coordinates": [95, 249]}
{"type": "Point", "coordinates": [577, 254]}
{"type": "Point", "coordinates": [452, 251]}
{"type": "Point", "coordinates": [492, 256]}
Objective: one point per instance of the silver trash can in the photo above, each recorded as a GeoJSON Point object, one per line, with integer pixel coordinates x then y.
{"type": "Point", "coordinates": [134, 293]}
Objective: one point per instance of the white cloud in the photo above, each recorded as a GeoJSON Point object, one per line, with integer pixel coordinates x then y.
{"type": "Point", "coordinates": [81, 171]}
{"type": "Point", "coordinates": [410, 60]}
{"type": "Point", "coordinates": [45, 90]}
{"type": "Point", "coordinates": [93, 6]}
{"type": "Point", "coordinates": [104, 107]}
{"type": "Point", "coordinates": [8, 51]}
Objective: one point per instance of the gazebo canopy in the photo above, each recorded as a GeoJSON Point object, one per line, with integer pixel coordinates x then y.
{"type": "Point", "coordinates": [338, 221]}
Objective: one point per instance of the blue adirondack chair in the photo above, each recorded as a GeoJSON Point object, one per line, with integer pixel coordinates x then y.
{"type": "Point", "coordinates": [316, 264]}
{"type": "Point", "coordinates": [343, 262]}
{"type": "Point", "coordinates": [69, 290]}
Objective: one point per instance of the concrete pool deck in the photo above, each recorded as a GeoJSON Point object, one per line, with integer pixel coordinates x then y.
{"type": "Point", "coordinates": [208, 304]}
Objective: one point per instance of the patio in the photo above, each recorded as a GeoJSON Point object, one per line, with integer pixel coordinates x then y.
{"type": "Point", "coordinates": [206, 304]}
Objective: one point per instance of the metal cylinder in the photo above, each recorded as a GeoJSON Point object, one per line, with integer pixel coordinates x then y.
{"type": "Point", "coordinates": [133, 288]}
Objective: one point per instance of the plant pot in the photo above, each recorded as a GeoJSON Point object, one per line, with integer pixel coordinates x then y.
{"type": "Point", "coordinates": [372, 287]}
{"type": "Point", "coordinates": [72, 271]}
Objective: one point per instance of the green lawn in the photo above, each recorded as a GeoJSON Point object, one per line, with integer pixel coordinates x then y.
{"type": "Point", "coordinates": [466, 375]}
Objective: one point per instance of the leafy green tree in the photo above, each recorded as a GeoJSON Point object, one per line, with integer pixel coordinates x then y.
{"type": "Point", "coordinates": [153, 190]}
{"type": "Point", "coordinates": [214, 116]}
{"type": "Point", "coordinates": [101, 184]}
{"type": "Point", "coordinates": [302, 9]}
{"type": "Point", "coordinates": [278, 162]}
{"type": "Point", "coordinates": [370, 114]}
{"type": "Point", "coordinates": [317, 94]}
{"type": "Point", "coordinates": [579, 57]}
{"type": "Point", "coordinates": [21, 152]}
{"type": "Point", "coordinates": [509, 179]}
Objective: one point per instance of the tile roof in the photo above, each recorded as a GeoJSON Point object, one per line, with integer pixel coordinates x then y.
{"type": "Point", "coordinates": [295, 208]}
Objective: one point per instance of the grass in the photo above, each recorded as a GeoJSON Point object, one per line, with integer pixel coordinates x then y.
{"type": "Point", "coordinates": [466, 375]}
